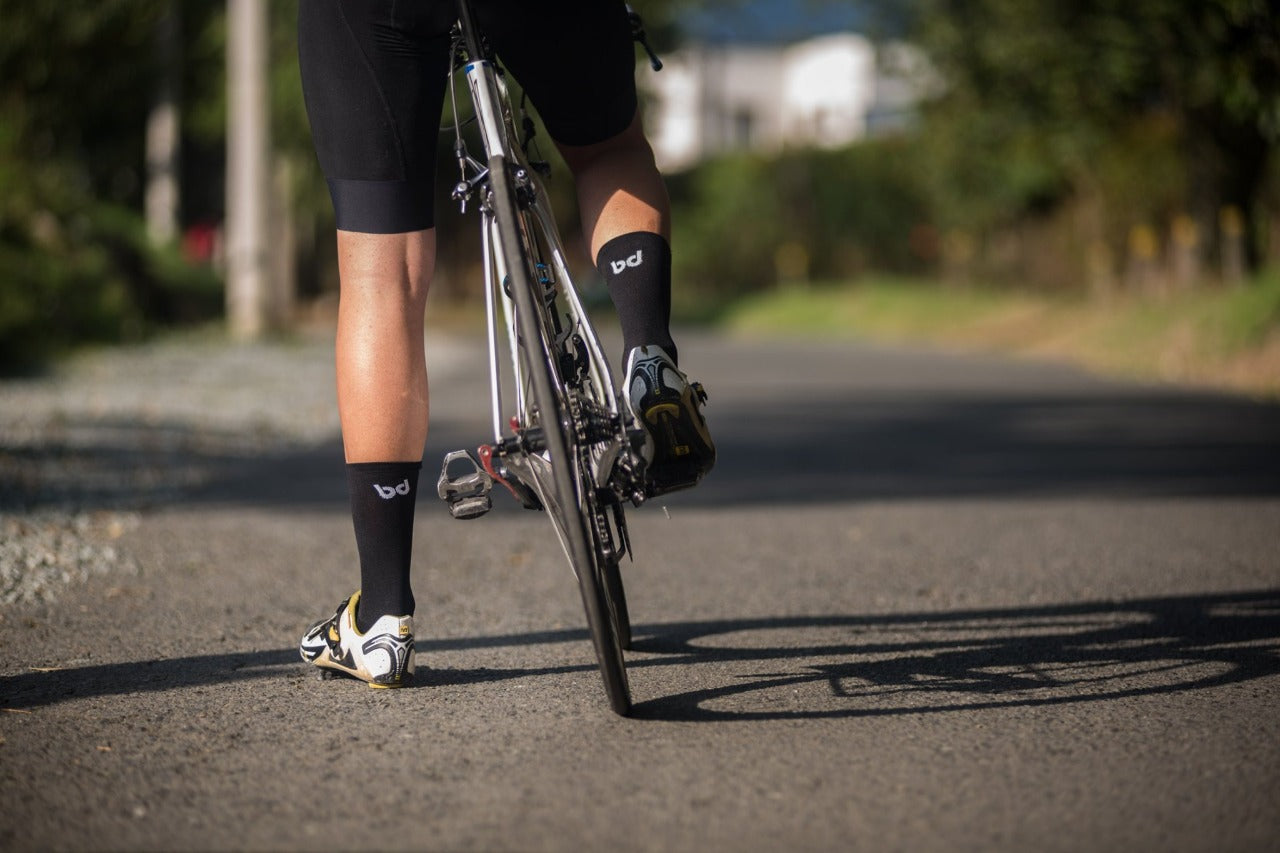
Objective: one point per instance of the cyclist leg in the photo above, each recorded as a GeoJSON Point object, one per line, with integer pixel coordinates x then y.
{"type": "Point", "coordinates": [587, 100]}
{"type": "Point", "coordinates": [619, 187]}
{"type": "Point", "coordinates": [380, 353]}
{"type": "Point", "coordinates": [374, 83]}
{"type": "Point", "coordinates": [626, 220]}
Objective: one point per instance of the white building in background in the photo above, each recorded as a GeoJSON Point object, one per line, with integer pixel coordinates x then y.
{"type": "Point", "coordinates": [828, 87]}
{"type": "Point", "coordinates": [824, 91]}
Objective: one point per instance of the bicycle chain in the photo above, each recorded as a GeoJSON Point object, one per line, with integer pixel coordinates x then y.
{"type": "Point", "coordinates": [590, 419]}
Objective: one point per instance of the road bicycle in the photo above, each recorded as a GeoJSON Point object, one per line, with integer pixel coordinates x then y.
{"type": "Point", "coordinates": [562, 440]}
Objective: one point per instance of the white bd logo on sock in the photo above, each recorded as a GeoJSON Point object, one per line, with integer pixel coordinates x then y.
{"type": "Point", "coordinates": [389, 492]}
{"type": "Point", "coordinates": [633, 261]}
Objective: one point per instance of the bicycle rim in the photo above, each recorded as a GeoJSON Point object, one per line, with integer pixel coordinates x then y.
{"type": "Point", "coordinates": [574, 499]}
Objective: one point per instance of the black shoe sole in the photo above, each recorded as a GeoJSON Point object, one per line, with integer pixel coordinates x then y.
{"type": "Point", "coordinates": [680, 458]}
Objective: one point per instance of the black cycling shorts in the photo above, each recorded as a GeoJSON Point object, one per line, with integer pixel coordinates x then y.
{"type": "Point", "coordinates": [374, 77]}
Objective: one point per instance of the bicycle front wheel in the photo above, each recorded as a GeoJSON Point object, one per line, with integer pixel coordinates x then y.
{"type": "Point", "coordinates": [570, 497]}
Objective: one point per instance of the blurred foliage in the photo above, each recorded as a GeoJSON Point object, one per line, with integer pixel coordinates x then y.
{"type": "Point", "coordinates": [1054, 141]}
{"type": "Point", "coordinates": [1140, 106]}
{"type": "Point", "coordinates": [744, 222]}
{"type": "Point", "coordinates": [94, 276]}
{"type": "Point", "coordinates": [77, 80]}
{"type": "Point", "coordinates": [1051, 135]}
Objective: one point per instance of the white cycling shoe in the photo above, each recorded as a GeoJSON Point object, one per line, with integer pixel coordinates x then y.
{"type": "Point", "coordinates": [383, 656]}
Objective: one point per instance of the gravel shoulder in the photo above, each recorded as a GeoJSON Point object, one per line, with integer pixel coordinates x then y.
{"type": "Point", "coordinates": [112, 433]}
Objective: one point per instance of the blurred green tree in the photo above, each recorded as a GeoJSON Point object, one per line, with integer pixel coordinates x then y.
{"type": "Point", "coordinates": [1035, 98]}
{"type": "Point", "coordinates": [77, 80]}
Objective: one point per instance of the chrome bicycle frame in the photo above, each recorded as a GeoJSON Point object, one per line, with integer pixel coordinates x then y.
{"type": "Point", "coordinates": [566, 323]}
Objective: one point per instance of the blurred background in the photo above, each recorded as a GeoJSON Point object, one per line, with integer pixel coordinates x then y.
{"type": "Point", "coordinates": [1097, 176]}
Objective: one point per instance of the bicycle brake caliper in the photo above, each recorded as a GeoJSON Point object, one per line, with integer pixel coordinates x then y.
{"type": "Point", "coordinates": [468, 493]}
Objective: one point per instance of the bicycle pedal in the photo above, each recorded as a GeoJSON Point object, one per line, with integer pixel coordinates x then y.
{"type": "Point", "coordinates": [467, 494]}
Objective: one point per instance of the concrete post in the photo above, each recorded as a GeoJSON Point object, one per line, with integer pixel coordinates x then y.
{"type": "Point", "coordinates": [249, 176]}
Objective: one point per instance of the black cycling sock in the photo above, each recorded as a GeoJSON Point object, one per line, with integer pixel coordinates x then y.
{"type": "Point", "coordinates": [637, 269]}
{"type": "Point", "coordinates": [383, 497]}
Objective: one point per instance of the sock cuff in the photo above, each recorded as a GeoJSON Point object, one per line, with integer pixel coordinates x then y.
{"type": "Point", "coordinates": [377, 468]}
{"type": "Point", "coordinates": [629, 251]}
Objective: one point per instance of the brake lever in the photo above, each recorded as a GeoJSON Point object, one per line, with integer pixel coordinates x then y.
{"type": "Point", "coordinates": [638, 34]}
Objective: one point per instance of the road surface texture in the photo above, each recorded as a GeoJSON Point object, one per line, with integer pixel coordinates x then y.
{"type": "Point", "coordinates": [926, 601]}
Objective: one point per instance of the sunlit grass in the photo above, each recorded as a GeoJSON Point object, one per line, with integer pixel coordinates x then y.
{"type": "Point", "coordinates": [1221, 336]}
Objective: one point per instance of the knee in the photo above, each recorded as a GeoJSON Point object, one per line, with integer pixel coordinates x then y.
{"type": "Point", "coordinates": [630, 148]}
{"type": "Point", "coordinates": [387, 267]}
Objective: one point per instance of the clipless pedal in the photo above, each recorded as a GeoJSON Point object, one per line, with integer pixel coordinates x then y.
{"type": "Point", "coordinates": [466, 493]}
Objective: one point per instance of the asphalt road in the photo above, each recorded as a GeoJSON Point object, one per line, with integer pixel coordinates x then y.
{"type": "Point", "coordinates": [925, 602]}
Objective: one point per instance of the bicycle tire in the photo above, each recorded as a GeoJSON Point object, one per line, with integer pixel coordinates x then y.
{"type": "Point", "coordinates": [618, 597]}
{"type": "Point", "coordinates": [573, 488]}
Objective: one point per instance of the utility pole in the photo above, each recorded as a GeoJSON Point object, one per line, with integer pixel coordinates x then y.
{"type": "Point", "coordinates": [163, 139]}
{"type": "Point", "coordinates": [249, 302]}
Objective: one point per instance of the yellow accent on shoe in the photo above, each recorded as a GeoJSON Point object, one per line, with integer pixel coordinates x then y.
{"type": "Point", "coordinates": [654, 412]}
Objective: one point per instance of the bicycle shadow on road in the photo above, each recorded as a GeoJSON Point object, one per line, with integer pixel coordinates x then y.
{"type": "Point", "coordinates": [814, 667]}
{"type": "Point", "coordinates": [867, 666]}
